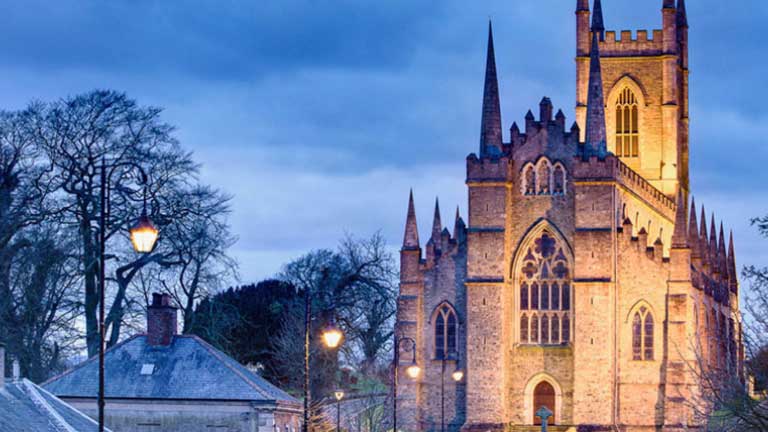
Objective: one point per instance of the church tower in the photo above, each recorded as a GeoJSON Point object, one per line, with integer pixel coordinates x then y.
{"type": "Point", "coordinates": [645, 83]}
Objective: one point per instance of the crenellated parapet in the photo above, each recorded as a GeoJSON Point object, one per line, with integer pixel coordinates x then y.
{"type": "Point", "coordinates": [489, 169]}
{"type": "Point", "coordinates": [628, 43]}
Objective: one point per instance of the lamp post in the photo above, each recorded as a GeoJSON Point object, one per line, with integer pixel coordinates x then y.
{"type": "Point", "coordinates": [457, 376]}
{"type": "Point", "coordinates": [143, 236]}
{"type": "Point", "coordinates": [339, 395]}
{"type": "Point", "coordinates": [332, 337]}
{"type": "Point", "coordinates": [413, 371]}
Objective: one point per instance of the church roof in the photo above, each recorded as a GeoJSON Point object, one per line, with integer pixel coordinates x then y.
{"type": "Point", "coordinates": [187, 369]}
{"type": "Point", "coordinates": [25, 407]}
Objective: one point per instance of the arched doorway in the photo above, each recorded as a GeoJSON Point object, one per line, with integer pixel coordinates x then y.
{"type": "Point", "coordinates": [544, 395]}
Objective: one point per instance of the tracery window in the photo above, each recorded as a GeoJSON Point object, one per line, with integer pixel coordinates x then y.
{"type": "Point", "coordinates": [627, 125]}
{"type": "Point", "coordinates": [543, 176]}
{"type": "Point", "coordinates": [530, 180]}
{"type": "Point", "coordinates": [446, 332]}
{"type": "Point", "coordinates": [642, 334]}
{"type": "Point", "coordinates": [545, 292]}
{"type": "Point", "coordinates": [558, 188]}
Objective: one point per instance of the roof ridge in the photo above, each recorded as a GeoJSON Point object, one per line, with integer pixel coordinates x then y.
{"type": "Point", "coordinates": [90, 360]}
{"type": "Point", "coordinates": [218, 354]}
{"type": "Point", "coordinates": [73, 409]}
{"type": "Point", "coordinates": [54, 417]}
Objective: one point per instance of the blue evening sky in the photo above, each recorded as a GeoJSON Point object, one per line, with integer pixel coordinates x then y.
{"type": "Point", "coordinates": [320, 115]}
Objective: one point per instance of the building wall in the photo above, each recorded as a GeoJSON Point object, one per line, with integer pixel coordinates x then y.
{"type": "Point", "coordinates": [180, 416]}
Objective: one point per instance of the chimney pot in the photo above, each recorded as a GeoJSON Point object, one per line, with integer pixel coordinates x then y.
{"type": "Point", "coordinates": [16, 370]}
{"type": "Point", "coordinates": [161, 320]}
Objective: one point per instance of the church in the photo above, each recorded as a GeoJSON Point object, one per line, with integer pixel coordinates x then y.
{"type": "Point", "coordinates": [585, 278]}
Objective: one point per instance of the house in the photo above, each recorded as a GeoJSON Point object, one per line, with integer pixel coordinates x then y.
{"type": "Point", "coordinates": [25, 407]}
{"type": "Point", "coordinates": [162, 381]}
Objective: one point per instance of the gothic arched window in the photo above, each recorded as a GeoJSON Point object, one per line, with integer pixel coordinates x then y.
{"type": "Point", "coordinates": [544, 283]}
{"type": "Point", "coordinates": [642, 334]}
{"type": "Point", "coordinates": [558, 177]}
{"type": "Point", "coordinates": [530, 180]}
{"type": "Point", "coordinates": [627, 125]}
{"type": "Point", "coordinates": [543, 176]}
{"type": "Point", "coordinates": [446, 332]}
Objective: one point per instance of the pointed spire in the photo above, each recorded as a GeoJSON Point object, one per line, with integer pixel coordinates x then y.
{"type": "Point", "coordinates": [713, 243]}
{"type": "Point", "coordinates": [437, 225]}
{"type": "Point", "coordinates": [597, 20]}
{"type": "Point", "coordinates": [703, 237]}
{"type": "Point", "coordinates": [693, 231]}
{"type": "Point", "coordinates": [721, 254]}
{"type": "Point", "coordinates": [732, 273]}
{"type": "Point", "coordinates": [490, 125]}
{"type": "Point", "coordinates": [596, 136]}
{"type": "Point", "coordinates": [668, 4]}
{"type": "Point", "coordinates": [682, 14]}
{"type": "Point", "coordinates": [411, 238]}
{"type": "Point", "coordinates": [582, 5]}
{"type": "Point", "coordinates": [680, 234]}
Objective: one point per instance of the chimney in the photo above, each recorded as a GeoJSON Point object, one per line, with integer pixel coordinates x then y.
{"type": "Point", "coordinates": [161, 320]}
{"type": "Point", "coordinates": [16, 370]}
{"type": "Point", "coordinates": [2, 365]}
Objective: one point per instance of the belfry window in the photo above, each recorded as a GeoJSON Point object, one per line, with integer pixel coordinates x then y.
{"type": "Point", "coordinates": [446, 332]}
{"type": "Point", "coordinates": [544, 283]}
{"type": "Point", "coordinates": [627, 125]}
{"type": "Point", "coordinates": [642, 335]}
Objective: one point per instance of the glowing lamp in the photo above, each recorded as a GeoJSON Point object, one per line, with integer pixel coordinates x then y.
{"type": "Point", "coordinates": [458, 375]}
{"type": "Point", "coordinates": [332, 337]}
{"type": "Point", "coordinates": [413, 371]}
{"type": "Point", "coordinates": [338, 394]}
{"type": "Point", "coordinates": [144, 235]}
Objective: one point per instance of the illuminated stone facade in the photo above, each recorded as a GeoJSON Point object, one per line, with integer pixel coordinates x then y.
{"type": "Point", "coordinates": [584, 280]}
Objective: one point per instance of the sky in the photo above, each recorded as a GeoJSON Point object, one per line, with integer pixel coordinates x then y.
{"type": "Point", "coordinates": [319, 116]}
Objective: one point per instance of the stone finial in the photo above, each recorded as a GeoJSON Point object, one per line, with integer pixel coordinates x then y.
{"type": "Point", "coordinates": [560, 118]}
{"type": "Point", "coordinates": [595, 144]}
{"type": "Point", "coordinates": [713, 243]}
{"type": "Point", "coordinates": [693, 231]}
{"type": "Point", "coordinates": [668, 4]}
{"type": "Point", "coordinates": [680, 234]}
{"type": "Point", "coordinates": [490, 125]}
{"type": "Point", "coordinates": [682, 14]}
{"type": "Point", "coordinates": [703, 237]}
{"type": "Point", "coordinates": [733, 274]}
{"type": "Point", "coordinates": [411, 238]}
{"type": "Point", "coordinates": [721, 254]}
{"type": "Point", "coordinates": [437, 225]}
{"type": "Point", "coordinates": [582, 5]}
{"type": "Point", "coordinates": [598, 26]}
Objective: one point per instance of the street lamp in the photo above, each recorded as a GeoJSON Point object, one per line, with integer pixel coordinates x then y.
{"type": "Point", "coordinates": [332, 337]}
{"type": "Point", "coordinates": [339, 395]}
{"type": "Point", "coordinates": [457, 376]}
{"type": "Point", "coordinates": [143, 236]}
{"type": "Point", "coordinates": [413, 370]}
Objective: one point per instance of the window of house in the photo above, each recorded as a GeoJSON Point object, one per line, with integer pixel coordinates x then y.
{"type": "Point", "coordinates": [627, 125]}
{"type": "Point", "coordinates": [544, 283]}
{"type": "Point", "coordinates": [446, 332]}
{"type": "Point", "coordinates": [642, 334]}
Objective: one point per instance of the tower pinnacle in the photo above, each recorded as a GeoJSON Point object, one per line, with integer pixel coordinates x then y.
{"type": "Point", "coordinates": [682, 14]}
{"type": "Point", "coordinates": [693, 231]}
{"type": "Point", "coordinates": [490, 125]}
{"type": "Point", "coordinates": [437, 225]}
{"type": "Point", "coordinates": [598, 26]}
{"type": "Point", "coordinates": [680, 234]}
{"type": "Point", "coordinates": [411, 238]}
{"type": "Point", "coordinates": [595, 134]}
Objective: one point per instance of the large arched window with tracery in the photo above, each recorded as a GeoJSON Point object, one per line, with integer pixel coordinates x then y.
{"type": "Point", "coordinates": [627, 125]}
{"type": "Point", "coordinates": [446, 332]}
{"type": "Point", "coordinates": [545, 296]}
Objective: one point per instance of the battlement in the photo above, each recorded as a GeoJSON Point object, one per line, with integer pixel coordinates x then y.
{"type": "Point", "coordinates": [628, 43]}
{"type": "Point", "coordinates": [552, 125]}
{"type": "Point", "coordinates": [488, 169]}
{"type": "Point", "coordinates": [612, 168]}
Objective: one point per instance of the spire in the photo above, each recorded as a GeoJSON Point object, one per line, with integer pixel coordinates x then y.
{"type": "Point", "coordinates": [693, 230]}
{"type": "Point", "coordinates": [490, 126]}
{"type": "Point", "coordinates": [703, 237]}
{"type": "Point", "coordinates": [668, 4]}
{"type": "Point", "coordinates": [596, 141]}
{"type": "Point", "coordinates": [713, 243]}
{"type": "Point", "coordinates": [682, 14]}
{"type": "Point", "coordinates": [721, 254]}
{"type": "Point", "coordinates": [437, 225]}
{"type": "Point", "coordinates": [597, 20]}
{"type": "Point", "coordinates": [582, 5]}
{"type": "Point", "coordinates": [732, 273]}
{"type": "Point", "coordinates": [411, 238]}
{"type": "Point", "coordinates": [456, 224]}
{"type": "Point", "coordinates": [680, 234]}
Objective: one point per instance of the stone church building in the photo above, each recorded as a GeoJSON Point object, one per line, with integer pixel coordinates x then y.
{"type": "Point", "coordinates": [586, 279]}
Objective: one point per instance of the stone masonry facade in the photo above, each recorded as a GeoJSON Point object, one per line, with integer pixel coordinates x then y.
{"type": "Point", "coordinates": [585, 278]}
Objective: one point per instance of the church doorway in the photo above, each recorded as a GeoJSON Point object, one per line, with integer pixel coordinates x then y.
{"type": "Point", "coordinates": [544, 395]}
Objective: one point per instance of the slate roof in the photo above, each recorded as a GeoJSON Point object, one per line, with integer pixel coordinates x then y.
{"type": "Point", "coordinates": [25, 407]}
{"type": "Point", "coordinates": [187, 369]}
